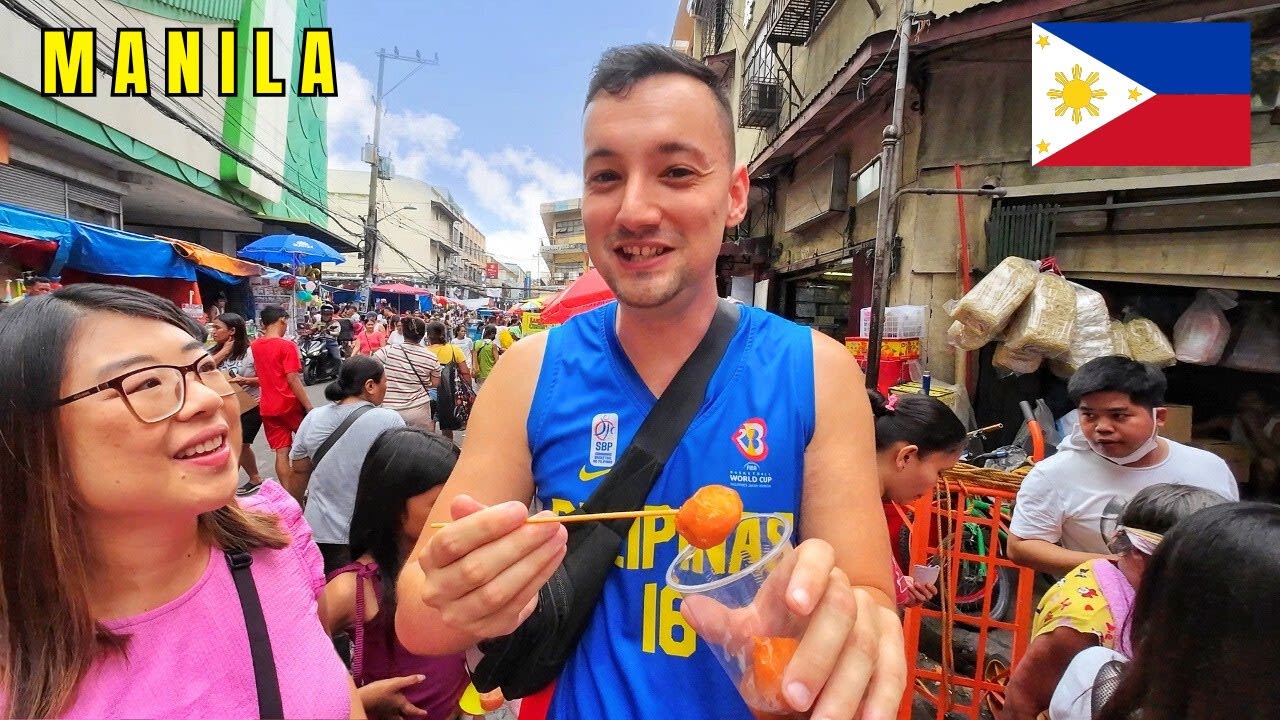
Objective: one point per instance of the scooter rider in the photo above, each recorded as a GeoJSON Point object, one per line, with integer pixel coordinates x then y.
{"type": "Point", "coordinates": [331, 330]}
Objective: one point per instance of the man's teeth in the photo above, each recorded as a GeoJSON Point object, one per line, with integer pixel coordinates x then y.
{"type": "Point", "coordinates": [204, 447]}
{"type": "Point", "coordinates": [643, 251]}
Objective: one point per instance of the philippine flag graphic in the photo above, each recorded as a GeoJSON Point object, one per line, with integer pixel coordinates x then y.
{"type": "Point", "coordinates": [1140, 94]}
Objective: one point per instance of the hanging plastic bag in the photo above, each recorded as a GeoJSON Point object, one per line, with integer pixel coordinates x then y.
{"type": "Point", "coordinates": [1044, 323]}
{"type": "Point", "coordinates": [1148, 344]}
{"type": "Point", "coordinates": [1090, 336]}
{"type": "Point", "coordinates": [1018, 362]}
{"type": "Point", "coordinates": [1201, 334]}
{"type": "Point", "coordinates": [986, 308]}
{"type": "Point", "coordinates": [1120, 339]}
{"type": "Point", "coordinates": [962, 337]}
{"type": "Point", "coordinates": [1258, 349]}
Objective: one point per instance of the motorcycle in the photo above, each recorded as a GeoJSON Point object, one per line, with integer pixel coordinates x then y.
{"type": "Point", "coordinates": [318, 363]}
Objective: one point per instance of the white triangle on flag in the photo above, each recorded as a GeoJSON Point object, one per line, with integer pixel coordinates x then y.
{"type": "Point", "coordinates": [1075, 80]}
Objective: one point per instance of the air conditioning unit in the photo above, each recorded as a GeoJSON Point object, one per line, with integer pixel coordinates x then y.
{"type": "Point", "coordinates": [761, 104]}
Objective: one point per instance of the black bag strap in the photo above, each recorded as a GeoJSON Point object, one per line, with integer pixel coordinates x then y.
{"type": "Point", "coordinates": [416, 374]}
{"type": "Point", "coordinates": [338, 433]}
{"type": "Point", "coordinates": [623, 488]}
{"type": "Point", "coordinates": [264, 663]}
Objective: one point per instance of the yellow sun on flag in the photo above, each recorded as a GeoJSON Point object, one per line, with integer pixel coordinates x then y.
{"type": "Point", "coordinates": [1076, 94]}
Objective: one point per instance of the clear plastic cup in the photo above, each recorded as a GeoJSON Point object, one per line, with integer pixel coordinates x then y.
{"type": "Point", "coordinates": [737, 603]}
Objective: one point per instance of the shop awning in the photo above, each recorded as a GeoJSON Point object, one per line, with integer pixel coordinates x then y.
{"type": "Point", "coordinates": [400, 289]}
{"type": "Point", "coordinates": [214, 260]}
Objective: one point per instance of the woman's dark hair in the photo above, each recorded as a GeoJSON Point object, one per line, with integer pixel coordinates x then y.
{"type": "Point", "coordinates": [490, 332]}
{"type": "Point", "coordinates": [1204, 629]}
{"type": "Point", "coordinates": [239, 336]}
{"type": "Point", "coordinates": [916, 420]}
{"type": "Point", "coordinates": [436, 333]}
{"type": "Point", "coordinates": [44, 570]}
{"type": "Point", "coordinates": [413, 329]}
{"type": "Point", "coordinates": [460, 331]}
{"type": "Point", "coordinates": [1143, 383]}
{"type": "Point", "coordinates": [621, 68]}
{"type": "Point", "coordinates": [402, 462]}
{"type": "Point", "coordinates": [354, 373]}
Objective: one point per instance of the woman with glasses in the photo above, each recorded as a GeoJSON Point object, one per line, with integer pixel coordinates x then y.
{"type": "Point", "coordinates": [133, 582]}
{"type": "Point", "coordinates": [231, 353]}
{"type": "Point", "coordinates": [1090, 606]}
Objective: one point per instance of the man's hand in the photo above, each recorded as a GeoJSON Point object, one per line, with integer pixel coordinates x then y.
{"type": "Point", "coordinates": [920, 593]}
{"type": "Point", "coordinates": [483, 571]}
{"type": "Point", "coordinates": [850, 662]}
{"type": "Point", "coordinates": [385, 698]}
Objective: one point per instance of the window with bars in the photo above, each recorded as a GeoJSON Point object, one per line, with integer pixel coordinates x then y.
{"type": "Point", "coordinates": [569, 227]}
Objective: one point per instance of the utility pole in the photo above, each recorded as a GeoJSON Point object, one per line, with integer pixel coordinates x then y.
{"type": "Point", "coordinates": [375, 161]}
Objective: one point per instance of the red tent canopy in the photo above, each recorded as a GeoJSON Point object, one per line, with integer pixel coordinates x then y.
{"type": "Point", "coordinates": [586, 293]}
{"type": "Point", "coordinates": [400, 289]}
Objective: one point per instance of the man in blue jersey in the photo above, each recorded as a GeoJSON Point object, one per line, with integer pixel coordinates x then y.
{"type": "Point", "coordinates": [786, 422]}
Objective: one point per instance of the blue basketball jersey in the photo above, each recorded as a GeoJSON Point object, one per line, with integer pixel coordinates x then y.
{"type": "Point", "coordinates": [638, 658]}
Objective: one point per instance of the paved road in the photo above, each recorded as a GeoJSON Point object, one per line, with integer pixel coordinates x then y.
{"type": "Point", "coordinates": [266, 457]}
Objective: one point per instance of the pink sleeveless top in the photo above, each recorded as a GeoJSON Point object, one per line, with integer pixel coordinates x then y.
{"type": "Point", "coordinates": [380, 656]}
{"type": "Point", "coordinates": [190, 657]}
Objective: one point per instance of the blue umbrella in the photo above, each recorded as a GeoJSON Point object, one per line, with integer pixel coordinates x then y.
{"type": "Point", "coordinates": [290, 249]}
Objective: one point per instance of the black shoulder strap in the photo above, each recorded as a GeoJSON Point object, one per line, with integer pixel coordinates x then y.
{"type": "Point", "coordinates": [338, 433]}
{"type": "Point", "coordinates": [632, 477]}
{"type": "Point", "coordinates": [264, 663]}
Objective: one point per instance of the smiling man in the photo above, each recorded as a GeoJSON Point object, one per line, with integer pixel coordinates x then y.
{"type": "Point", "coordinates": [1115, 453]}
{"type": "Point", "coordinates": [660, 189]}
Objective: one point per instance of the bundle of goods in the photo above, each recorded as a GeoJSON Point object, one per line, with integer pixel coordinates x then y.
{"type": "Point", "coordinates": [1148, 344]}
{"type": "Point", "coordinates": [1038, 315]}
{"type": "Point", "coordinates": [1258, 349]}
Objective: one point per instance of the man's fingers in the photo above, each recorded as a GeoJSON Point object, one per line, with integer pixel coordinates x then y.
{"type": "Point", "coordinates": [464, 505]}
{"type": "Point", "coordinates": [823, 644]}
{"type": "Point", "coordinates": [811, 565]}
{"type": "Point", "coordinates": [858, 662]}
{"type": "Point", "coordinates": [508, 592]}
{"type": "Point", "coordinates": [478, 528]}
{"type": "Point", "coordinates": [889, 678]}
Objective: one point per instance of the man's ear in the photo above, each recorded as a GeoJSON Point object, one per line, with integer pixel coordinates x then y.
{"type": "Point", "coordinates": [739, 187]}
{"type": "Point", "coordinates": [1161, 414]}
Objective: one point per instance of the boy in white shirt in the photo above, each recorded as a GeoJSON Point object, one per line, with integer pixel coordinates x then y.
{"type": "Point", "coordinates": [1113, 454]}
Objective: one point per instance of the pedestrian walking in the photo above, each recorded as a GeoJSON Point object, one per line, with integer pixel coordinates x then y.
{"type": "Point", "coordinates": [231, 352]}
{"type": "Point", "coordinates": [453, 373]}
{"type": "Point", "coordinates": [330, 447]}
{"type": "Point", "coordinates": [283, 398]}
{"type": "Point", "coordinates": [486, 352]}
{"type": "Point", "coordinates": [413, 372]}
{"type": "Point", "coordinates": [464, 343]}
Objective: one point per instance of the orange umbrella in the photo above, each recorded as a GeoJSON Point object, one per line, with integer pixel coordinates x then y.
{"type": "Point", "coordinates": [586, 293]}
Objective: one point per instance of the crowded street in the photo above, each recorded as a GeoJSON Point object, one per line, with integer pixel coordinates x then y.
{"type": "Point", "coordinates": [696, 359]}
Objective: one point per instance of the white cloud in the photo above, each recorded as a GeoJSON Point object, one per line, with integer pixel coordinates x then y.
{"type": "Point", "coordinates": [502, 190]}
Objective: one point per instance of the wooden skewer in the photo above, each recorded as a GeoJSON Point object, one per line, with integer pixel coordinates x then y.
{"type": "Point", "coordinates": [624, 515]}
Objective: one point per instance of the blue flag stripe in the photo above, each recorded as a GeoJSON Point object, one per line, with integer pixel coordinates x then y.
{"type": "Point", "coordinates": [1172, 58]}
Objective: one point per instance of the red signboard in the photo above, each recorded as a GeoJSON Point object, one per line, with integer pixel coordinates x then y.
{"type": "Point", "coordinates": [491, 270]}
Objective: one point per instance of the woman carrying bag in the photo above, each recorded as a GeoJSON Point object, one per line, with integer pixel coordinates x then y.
{"type": "Point", "coordinates": [413, 372]}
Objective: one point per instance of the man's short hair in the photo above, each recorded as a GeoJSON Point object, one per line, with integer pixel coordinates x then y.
{"type": "Point", "coordinates": [620, 68]}
{"type": "Point", "coordinates": [1143, 383]}
{"type": "Point", "coordinates": [271, 314]}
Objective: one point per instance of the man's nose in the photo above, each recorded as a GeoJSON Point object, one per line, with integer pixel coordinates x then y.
{"type": "Point", "coordinates": [638, 210]}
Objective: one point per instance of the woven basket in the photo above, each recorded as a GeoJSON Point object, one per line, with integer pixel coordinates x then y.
{"type": "Point", "coordinates": [972, 477]}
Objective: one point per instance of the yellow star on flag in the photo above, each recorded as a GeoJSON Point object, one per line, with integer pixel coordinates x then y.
{"type": "Point", "coordinates": [1042, 146]}
{"type": "Point", "coordinates": [1134, 94]}
{"type": "Point", "coordinates": [1043, 42]}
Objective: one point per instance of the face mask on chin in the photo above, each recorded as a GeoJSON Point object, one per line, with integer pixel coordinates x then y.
{"type": "Point", "coordinates": [1143, 450]}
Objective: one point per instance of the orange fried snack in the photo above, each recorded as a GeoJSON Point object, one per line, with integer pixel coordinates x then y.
{"type": "Point", "coordinates": [707, 518]}
{"type": "Point", "coordinates": [769, 659]}
{"type": "Point", "coordinates": [492, 700]}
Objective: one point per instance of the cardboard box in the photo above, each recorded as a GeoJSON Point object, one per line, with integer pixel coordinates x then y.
{"type": "Point", "coordinates": [1177, 423]}
{"type": "Point", "coordinates": [1237, 456]}
{"type": "Point", "coordinates": [946, 395]}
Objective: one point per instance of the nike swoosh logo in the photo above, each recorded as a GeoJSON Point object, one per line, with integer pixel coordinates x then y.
{"type": "Point", "coordinates": [585, 476]}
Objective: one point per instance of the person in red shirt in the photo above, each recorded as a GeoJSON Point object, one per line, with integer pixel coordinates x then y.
{"type": "Point", "coordinates": [284, 399]}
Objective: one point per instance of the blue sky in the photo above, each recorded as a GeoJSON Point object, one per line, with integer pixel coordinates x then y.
{"type": "Point", "coordinates": [498, 121]}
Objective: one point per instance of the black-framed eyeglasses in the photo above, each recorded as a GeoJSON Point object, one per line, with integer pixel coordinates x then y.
{"type": "Point", "coordinates": [159, 392]}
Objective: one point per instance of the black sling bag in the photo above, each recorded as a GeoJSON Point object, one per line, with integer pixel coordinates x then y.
{"type": "Point", "coordinates": [527, 660]}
